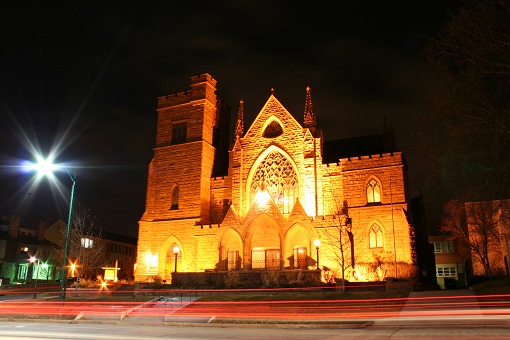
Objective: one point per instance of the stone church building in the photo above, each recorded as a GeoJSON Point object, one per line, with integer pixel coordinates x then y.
{"type": "Point", "coordinates": [275, 195]}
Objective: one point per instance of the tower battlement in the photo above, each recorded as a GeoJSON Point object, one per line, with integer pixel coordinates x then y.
{"type": "Point", "coordinates": [201, 84]}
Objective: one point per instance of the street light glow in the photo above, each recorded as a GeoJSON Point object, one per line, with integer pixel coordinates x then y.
{"type": "Point", "coordinates": [45, 168]}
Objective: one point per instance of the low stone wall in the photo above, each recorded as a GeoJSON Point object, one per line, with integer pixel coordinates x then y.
{"type": "Point", "coordinates": [361, 286]}
{"type": "Point", "coordinates": [390, 285]}
{"type": "Point", "coordinates": [248, 279]}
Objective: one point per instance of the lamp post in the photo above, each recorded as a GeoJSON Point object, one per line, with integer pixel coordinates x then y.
{"type": "Point", "coordinates": [393, 230]}
{"type": "Point", "coordinates": [176, 252]}
{"type": "Point", "coordinates": [45, 167]}
{"type": "Point", "coordinates": [317, 243]}
{"type": "Point", "coordinates": [33, 260]}
{"type": "Point", "coordinates": [63, 279]}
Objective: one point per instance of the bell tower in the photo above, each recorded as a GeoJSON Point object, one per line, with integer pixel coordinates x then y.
{"type": "Point", "coordinates": [191, 146]}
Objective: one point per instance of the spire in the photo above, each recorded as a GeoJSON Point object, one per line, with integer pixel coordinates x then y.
{"type": "Point", "coordinates": [310, 121]}
{"type": "Point", "coordinates": [239, 132]}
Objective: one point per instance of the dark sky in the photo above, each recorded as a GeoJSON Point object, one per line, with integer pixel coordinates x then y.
{"type": "Point", "coordinates": [83, 77]}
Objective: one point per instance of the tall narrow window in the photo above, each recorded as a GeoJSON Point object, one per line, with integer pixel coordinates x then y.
{"type": "Point", "coordinates": [179, 133]}
{"type": "Point", "coordinates": [175, 198]}
{"type": "Point", "coordinates": [376, 237]}
{"type": "Point", "coordinates": [373, 191]}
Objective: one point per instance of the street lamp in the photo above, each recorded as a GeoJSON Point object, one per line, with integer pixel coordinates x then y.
{"type": "Point", "coordinates": [63, 280]}
{"type": "Point", "coordinates": [45, 167]}
{"type": "Point", "coordinates": [176, 252]}
{"type": "Point", "coordinates": [317, 243]}
{"type": "Point", "coordinates": [33, 260]}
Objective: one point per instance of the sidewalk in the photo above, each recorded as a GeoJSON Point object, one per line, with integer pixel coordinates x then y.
{"type": "Point", "coordinates": [459, 306]}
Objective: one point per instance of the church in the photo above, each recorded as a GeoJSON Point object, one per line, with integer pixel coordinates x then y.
{"type": "Point", "coordinates": [274, 196]}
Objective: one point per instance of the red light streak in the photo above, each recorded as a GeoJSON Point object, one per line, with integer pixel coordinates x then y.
{"type": "Point", "coordinates": [273, 310]}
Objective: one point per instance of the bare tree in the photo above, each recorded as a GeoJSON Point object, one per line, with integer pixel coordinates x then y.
{"type": "Point", "coordinates": [476, 228]}
{"type": "Point", "coordinates": [466, 135]}
{"type": "Point", "coordinates": [85, 246]}
{"type": "Point", "coordinates": [341, 237]}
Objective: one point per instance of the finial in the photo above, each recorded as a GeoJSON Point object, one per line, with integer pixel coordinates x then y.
{"type": "Point", "coordinates": [310, 120]}
{"type": "Point", "coordinates": [239, 131]}
{"type": "Point", "coordinates": [272, 91]}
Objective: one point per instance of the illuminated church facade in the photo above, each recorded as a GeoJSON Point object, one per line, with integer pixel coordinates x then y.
{"type": "Point", "coordinates": [275, 196]}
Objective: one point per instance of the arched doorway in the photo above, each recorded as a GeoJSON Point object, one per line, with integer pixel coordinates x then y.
{"type": "Point", "coordinates": [264, 243]}
{"type": "Point", "coordinates": [296, 246]}
{"type": "Point", "coordinates": [230, 251]}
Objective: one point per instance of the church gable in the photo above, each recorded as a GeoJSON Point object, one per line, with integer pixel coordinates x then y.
{"type": "Point", "coordinates": [298, 215]}
{"type": "Point", "coordinates": [231, 218]}
{"type": "Point", "coordinates": [263, 203]}
{"type": "Point", "coordinates": [273, 121]}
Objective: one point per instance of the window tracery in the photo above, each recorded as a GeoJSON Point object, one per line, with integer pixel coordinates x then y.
{"type": "Point", "coordinates": [278, 176]}
{"type": "Point", "coordinates": [376, 236]}
{"type": "Point", "coordinates": [373, 191]}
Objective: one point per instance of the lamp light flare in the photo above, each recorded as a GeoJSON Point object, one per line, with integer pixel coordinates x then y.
{"type": "Point", "coordinates": [43, 167]}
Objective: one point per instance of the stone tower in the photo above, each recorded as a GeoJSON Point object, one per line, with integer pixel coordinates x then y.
{"type": "Point", "coordinates": [191, 146]}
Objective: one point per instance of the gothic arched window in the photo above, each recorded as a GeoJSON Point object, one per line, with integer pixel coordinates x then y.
{"type": "Point", "coordinates": [175, 198]}
{"type": "Point", "coordinates": [376, 237]}
{"type": "Point", "coordinates": [274, 129]}
{"type": "Point", "coordinates": [373, 191]}
{"type": "Point", "coordinates": [278, 176]}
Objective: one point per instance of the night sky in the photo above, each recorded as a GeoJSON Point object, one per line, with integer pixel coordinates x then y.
{"type": "Point", "coordinates": [83, 77]}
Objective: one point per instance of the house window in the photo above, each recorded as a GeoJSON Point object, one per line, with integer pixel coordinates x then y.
{"type": "Point", "coordinates": [376, 236]}
{"type": "Point", "coordinates": [179, 133]}
{"type": "Point", "coordinates": [87, 242]}
{"type": "Point", "coordinates": [373, 191]}
{"type": "Point", "coordinates": [443, 247]}
{"type": "Point", "coordinates": [175, 198]}
{"type": "Point", "coordinates": [446, 271]}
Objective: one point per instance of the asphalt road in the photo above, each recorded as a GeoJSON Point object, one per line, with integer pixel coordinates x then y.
{"type": "Point", "coordinates": [49, 331]}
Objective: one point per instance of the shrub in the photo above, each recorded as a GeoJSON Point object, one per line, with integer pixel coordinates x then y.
{"type": "Point", "coordinates": [293, 278]}
{"type": "Point", "coordinates": [232, 279]}
{"type": "Point", "coordinates": [270, 279]}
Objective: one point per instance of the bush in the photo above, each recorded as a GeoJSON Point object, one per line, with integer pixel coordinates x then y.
{"type": "Point", "coordinates": [294, 279]}
{"type": "Point", "coordinates": [232, 280]}
{"type": "Point", "coordinates": [270, 279]}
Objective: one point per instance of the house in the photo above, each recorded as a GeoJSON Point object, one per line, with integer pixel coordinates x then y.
{"type": "Point", "coordinates": [93, 250]}
{"type": "Point", "coordinates": [24, 253]}
{"type": "Point", "coordinates": [452, 269]}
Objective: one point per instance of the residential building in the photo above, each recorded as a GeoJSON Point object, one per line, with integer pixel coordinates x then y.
{"type": "Point", "coordinates": [24, 253]}
{"type": "Point", "coordinates": [452, 269]}
{"type": "Point", "coordinates": [93, 250]}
